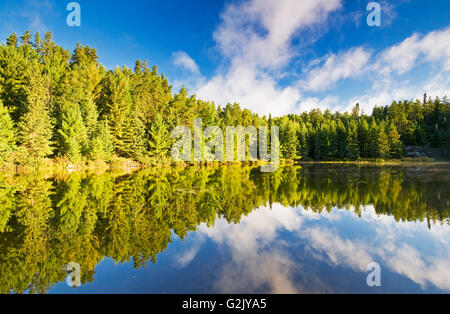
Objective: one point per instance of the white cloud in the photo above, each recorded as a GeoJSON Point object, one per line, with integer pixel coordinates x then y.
{"type": "Point", "coordinates": [310, 103]}
{"type": "Point", "coordinates": [401, 58]}
{"type": "Point", "coordinates": [389, 89]}
{"type": "Point", "coordinates": [350, 64]}
{"type": "Point", "coordinates": [383, 72]}
{"type": "Point", "coordinates": [182, 59]}
{"type": "Point", "coordinates": [255, 39]}
{"type": "Point", "coordinates": [255, 91]}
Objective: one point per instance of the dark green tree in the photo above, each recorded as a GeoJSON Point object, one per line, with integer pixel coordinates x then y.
{"type": "Point", "coordinates": [160, 139]}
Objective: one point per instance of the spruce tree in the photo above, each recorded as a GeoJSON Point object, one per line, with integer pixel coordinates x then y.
{"type": "Point", "coordinates": [101, 146]}
{"type": "Point", "coordinates": [14, 75]}
{"type": "Point", "coordinates": [382, 142]}
{"type": "Point", "coordinates": [41, 83]}
{"type": "Point", "coordinates": [35, 126]}
{"type": "Point", "coordinates": [25, 39]}
{"type": "Point", "coordinates": [12, 40]}
{"type": "Point", "coordinates": [7, 135]}
{"type": "Point", "coordinates": [363, 138]}
{"type": "Point", "coordinates": [373, 140]}
{"type": "Point", "coordinates": [73, 133]}
{"type": "Point", "coordinates": [118, 104]}
{"type": "Point", "coordinates": [160, 139]}
{"type": "Point", "coordinates": [290, 141]}
{"type": "Point", "coordinates": [352, 146]}
{"type": "Point", "coordinates": [325, 140]}
{"type": "Point", "coordinates": [395, 144]}
{"type": "Point", "coordinates": [303, 140]}
{"type": "Point", "coordinates": [317, 146]}
{"type": "Point", "coordinates": [134, 143]}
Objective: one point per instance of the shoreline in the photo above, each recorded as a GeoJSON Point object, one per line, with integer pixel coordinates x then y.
{"type": "Point", "coordinates": [128, 165]}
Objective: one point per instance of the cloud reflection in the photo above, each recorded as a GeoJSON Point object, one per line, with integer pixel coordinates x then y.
{"type": "Point", "coordinates": [264, 258]}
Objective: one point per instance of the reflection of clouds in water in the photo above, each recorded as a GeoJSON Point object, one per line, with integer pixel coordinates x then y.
{"type": "Point", "coordinates": [409, 262]}
{"type": "Point", "coordinates": [333, 216]}
{"type": "Point", "coordinates": [401, 258]}
{"type": "Point", "coordinates": [439, 232]}
{"type": "Point", "coordinates": [261, 259]}
{"type": "Point", "coordinates": [255, 262]}
{"type": "Point", "coordinates": [339, 251]}
{"type": "Point", "coordinates": [187, 256]}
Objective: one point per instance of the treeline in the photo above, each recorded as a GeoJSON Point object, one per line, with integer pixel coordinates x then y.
{"type": "Point", "coordinates": [47, 223]}
{"type": "Point", "coordinates": [384, 134]}
{"type": "Point", "coordinates": [54, 103]}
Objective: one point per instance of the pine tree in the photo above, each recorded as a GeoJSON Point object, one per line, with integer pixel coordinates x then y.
{"type": "Point", "coordinates": [73, 133]}
{"type": "Point", "coordinates": [303, 140]}
{"type": "Point", "coordinates": [118, 104]}
{"type": "Point", "coordinates": [333, 151]}
{"type": "Point", "coordinates": [101, 145]}
{"type": "Point", "coordinates": [14, 75]}
{"type": "Point", "coordinates": [341, 139]}
{"type": "Point", "coordinates": [89, 114]}
{"type": "Point", "coordinates": [41, 84]}
{"type": "Point", "coordinates": [55, 61]}
{"type": "Point", "coordinates": [356, 111]}
{"type": "Point", "coordinates": [160, 139]}
{"type": "Point", "coordinates": [25, 39]}
{"type": "Point", "coordinates": [183, 107]}
{"type": "Point", "coordinates": [325, 140]}
{"type": "Point", "coordinates": [395, 144]}
{"type": "Point", "coordinates": [317, 146]}
{"type": "Point", "coordinates": [373, 140]}
{"type": "Point", "coordinates": [35, 126]}
{"type": "Point", "coordinates": [134, 137]}
{"type": "Point", "coordinates": [7, 135]}
{"type": "Point", "coordinates": [382, 142]}
{"type": "Point", "coordinates": [12, 40]}
{"type": "Point", "coordinates": [290, 141]}
{"type": "Point", "coordinates": [363, 138]}
{"type": "Point", "coordinates": [352, 146]}
{"type": "Point", "coordinates": [151, 93]}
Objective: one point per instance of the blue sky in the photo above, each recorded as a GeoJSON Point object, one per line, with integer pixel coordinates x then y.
{"type": "Point", "coordinates": [270, 56]}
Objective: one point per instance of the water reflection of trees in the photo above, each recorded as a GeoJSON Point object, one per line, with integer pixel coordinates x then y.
{"type": "Point", "coordinates": [46, 224]}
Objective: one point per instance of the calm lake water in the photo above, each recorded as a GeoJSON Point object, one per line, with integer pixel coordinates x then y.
{"type": "Point", "coordinates": [309, 229]}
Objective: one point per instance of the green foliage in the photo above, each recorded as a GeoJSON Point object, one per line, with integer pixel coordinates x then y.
{"type": "Point", "coordinates": [290, 141]}
{"type": "Point", "coordinates": [395, 144]}
{"type": "Point", "coordinates": [7, 135]}
{"type": "Point", "coordinates": [352, 147]}
{"type": "Point", "coordinates": [59, 103]}
{"type": "Point", "coordinates": [35, 126]}
{"type": "Point", "coordinates": [382, 142]}
{"type": "Point", "coordinates": [101, 145]}
{"type": "Point", "coordinates": [73, 133]}
{"type": "Point", "coordinates": [118, 104]}
{"type": "Point", "coordinates": [160, 138]}
{"type": "Point", "coordinates": [47, 223]}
